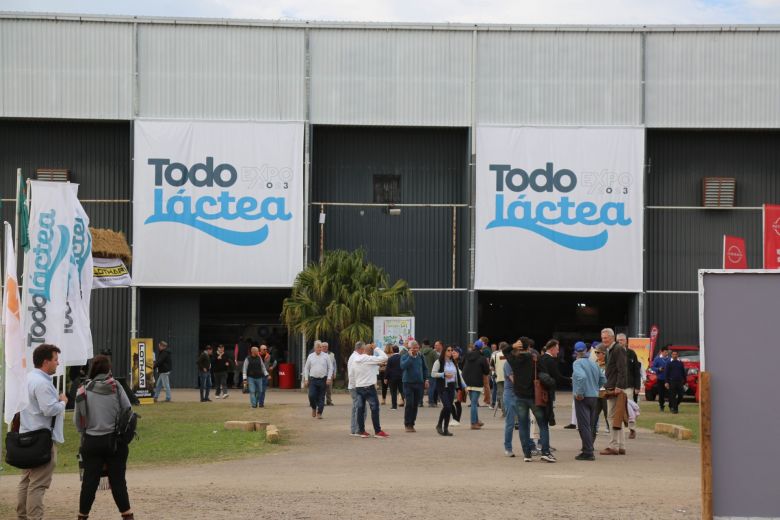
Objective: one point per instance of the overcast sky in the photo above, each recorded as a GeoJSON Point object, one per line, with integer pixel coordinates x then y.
{"type": "Point", "coordinates": [634, 12]}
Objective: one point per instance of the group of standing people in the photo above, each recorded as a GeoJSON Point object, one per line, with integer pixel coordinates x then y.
{"type": "Point", "coordinates": [100, 402]}
{"type": "Point", "coordinates": [253, 372]}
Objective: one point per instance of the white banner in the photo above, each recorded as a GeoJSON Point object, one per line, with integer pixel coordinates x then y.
{"type": "Point", "coordinates": [217, 203]}
{"type": "Point", "coordinates": [76, 343]}
{"type": "Point", "coordinates": [47, 265]}
{"type": "Point", "coordinates": [15, 361]}
{"type": "Point", "coordinates": [110, 272]}
{"type": "Point", "coordinates": [559, 209]}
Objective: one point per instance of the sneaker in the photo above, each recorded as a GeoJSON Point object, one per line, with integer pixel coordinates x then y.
{"type": "Point", "coordinates": [549, 458]}
{"type": "Point", "coordinates": [453, 422]}
{"type": "Point", "coordinates": [582, 456]}
{"type": "Point", "coordinates": [381, 435]}
{"type": "Point", "coordinates": [527, 458]}
{"type": "Point", "coordinates": [355, 434]}
{"type": "Point", "coordinates": [570, 427]}
{"type": "Point", "coordinates": [225, 396]}
{"type": "Point", "coordinates": [536, 452]}
{"type": "Point", "coordinates": [508, 453]}
{"type": "Point", "coordinates": [632, 435]}
{"type": "Point", "coordinates": [394, 408]}
{"type": "Point", "coordinates": [217, 397]}
{"type": "Point", "coordinates": [363, 435]}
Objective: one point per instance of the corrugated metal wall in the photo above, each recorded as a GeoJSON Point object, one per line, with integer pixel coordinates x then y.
{"type": "Point", "coordinates": [173, 316]}
{"type": "Point", "coordinates": [679, 242]}
{"type": "Point", "coordinates": [717, 79]}
{"type": "Point", "coordinates": [559, 78]}
{"type": "Point", "coordinates": [368, 77]}
{"type": "Point", "coordinates": [66, 69]}
{"type": "Point", "coordinates": [207, 72]}
{"type": "Point", "coordinates": [110, 324]}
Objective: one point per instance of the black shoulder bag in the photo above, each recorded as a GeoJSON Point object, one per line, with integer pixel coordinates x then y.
{"type": "Point", "coordinates": [126, 422]}
{"type": "Point", "coordinates": [30, 449]}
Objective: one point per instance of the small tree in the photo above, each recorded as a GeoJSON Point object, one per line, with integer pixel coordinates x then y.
{"type": "Point", "coordinates": [340, 297]}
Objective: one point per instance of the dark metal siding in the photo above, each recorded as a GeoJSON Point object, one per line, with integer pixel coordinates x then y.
{"type": "Point", "coordinates": [173, 316]}
{"type": "Point", "coordinates": [441, 315]}
{"type": "Point", "coordinates": [110, 323]}
{"type": "Point", "coordinates": [680, 242]}
{"type": "Point", "coordinates": [432, 163]}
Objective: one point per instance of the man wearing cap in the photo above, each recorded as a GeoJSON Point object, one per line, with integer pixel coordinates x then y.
{"type": "Point", "coordinates": [616, 372]}
{"type": "Point", "coordinates": [586, 381]}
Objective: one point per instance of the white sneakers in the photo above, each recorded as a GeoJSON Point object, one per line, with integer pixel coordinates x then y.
{"type": "Point", "coordinates": [453, 422]}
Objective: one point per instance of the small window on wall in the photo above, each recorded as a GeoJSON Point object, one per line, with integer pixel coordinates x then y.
{"type": "Point", "coordinates": [387, 189]}
{"type": "Point", "coordinates": [52, 174]}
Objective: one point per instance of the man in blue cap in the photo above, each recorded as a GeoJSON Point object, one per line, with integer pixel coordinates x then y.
{"type": "Point", "coordinates": [586, 381]}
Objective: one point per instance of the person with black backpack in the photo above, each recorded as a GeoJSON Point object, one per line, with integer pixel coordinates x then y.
{"type": "Point", "coordinates": [102, 408]}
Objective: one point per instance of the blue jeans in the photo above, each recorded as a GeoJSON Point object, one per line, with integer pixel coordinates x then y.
{"type": "Point", "coordinates": [255, 386]}
{"type": "Point", "coordinates": [204, 381]}
{"type": "Point", "coordinates": [163, 380]}
{"type": "Point", "coordinates": [367, 393]}
{"type": "Point", "coordinates": [509, 420]}
{"type": "Point", "coordinates": [317, 394]}
{"type": "Point", "coordinates": [474, 396]}
{"type": "Point", "coordinates": [413, 393]}
{"type": "Point", "coordinates": [433, 395]}
{"type": "Point", "coordinates": [522, 407]}
{"type": "Point", "coordinates": [263, 387]}
{"type": "Point", "coordinates": [353, 425]}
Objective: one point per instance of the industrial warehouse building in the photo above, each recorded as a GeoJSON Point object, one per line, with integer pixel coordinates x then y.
{"type": "Point", "coordinates": [543, 181]}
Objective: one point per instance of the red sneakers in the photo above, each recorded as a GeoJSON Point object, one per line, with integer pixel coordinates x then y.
{"type": "Point", "coordinates": [381, 435]}
{"type": "Point", "coordinates": [363, 435]}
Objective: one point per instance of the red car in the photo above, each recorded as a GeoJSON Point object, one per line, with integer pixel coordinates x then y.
{"type": "Point", "coordinates": [689, 355]}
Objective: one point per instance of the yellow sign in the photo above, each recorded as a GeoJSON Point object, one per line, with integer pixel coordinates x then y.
{"type": "Point", "coordinates": [142, 369]}
{"type": "Point", "coordinates": [642, 348]}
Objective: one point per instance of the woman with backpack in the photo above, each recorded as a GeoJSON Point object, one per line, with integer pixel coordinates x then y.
{"type": "Point", "coordinates": [101, 409]}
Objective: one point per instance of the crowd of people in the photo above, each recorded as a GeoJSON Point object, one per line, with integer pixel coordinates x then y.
{"type": "Point", "coordinates": [519, 379]}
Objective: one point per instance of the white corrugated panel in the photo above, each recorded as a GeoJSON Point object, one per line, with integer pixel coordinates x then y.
{"type": "Point", "coordinates": [718, 79]}
{"type": "Point", "coordinates": [221, 72]}
{"type": "Point", "coordinates": [66, 69]}
{"type": "Point", "coordinates": [399, 77]}
{"type": "Point", "coordinates": [559, 78]}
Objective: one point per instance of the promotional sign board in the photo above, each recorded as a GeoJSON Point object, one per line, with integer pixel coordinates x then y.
{"type": "Point", "coordinates": [110, 272]}
{"type": "Point", "coordinates": [559, 209]}
{"type": "Point", "coordinates": [142, 368]}
{"type": "Point", "coordinates": [641, 346]}
{"type": "Point", "coordinates": [393, 329]}
{"type": "Point", "coordinates": [217, 203]}
{"type": "Point", "coordinates": [771, 236]}
{"type": "Point", "coordinates": [734, 255]}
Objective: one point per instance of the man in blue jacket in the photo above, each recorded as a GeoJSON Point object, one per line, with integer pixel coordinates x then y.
{"type": "Point", "coordinates": [659, 367]}
{"type": "Point", "coordinates": [414, 380]}
{"type": "Point", "coordinates": [586, 380]}
{"type": "Point", "coordinates": [675, 381]}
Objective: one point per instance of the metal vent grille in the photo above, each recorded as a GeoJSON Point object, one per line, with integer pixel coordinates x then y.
{"type": "Point", "coordinates": [52, 174]}
{"type": "Point", "coordinates": [719, 192]}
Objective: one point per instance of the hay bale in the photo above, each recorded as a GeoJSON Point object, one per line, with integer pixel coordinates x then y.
{"type": "Point", "coordinates": [682, 434]}
{"type": "Point", "coordinates": [663, 428]}
{"type": "Point", "coordinates": [107, 243]}
{"type": "Point", "coordinates": [272, 435]}
{"type": "Point", "coordinates": [260, 426]}
{"type": "Point", "coordinates": [247, 426]}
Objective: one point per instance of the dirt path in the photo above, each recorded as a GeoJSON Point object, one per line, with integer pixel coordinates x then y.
{"type": "Point", "coordinates": [324, 472]}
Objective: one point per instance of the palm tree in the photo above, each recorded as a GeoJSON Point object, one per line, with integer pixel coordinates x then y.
{"type": "Point", "coordinates": [340, 297]}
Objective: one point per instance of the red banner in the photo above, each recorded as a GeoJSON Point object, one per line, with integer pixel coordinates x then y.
{"type": "Point", "coordinates": [771, 236]}
{"type": "Point", "coordinates": [734, 255]}
{"type": "Point", "coordinates": [653, 339]}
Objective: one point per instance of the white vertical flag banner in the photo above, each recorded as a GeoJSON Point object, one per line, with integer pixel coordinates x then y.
{"type": "Point", "coordinates": [15, 361]}
{"type": "Point", "coordinates": [217, 203]}
{"type": "Point", "coordinates": [47, 266]}
{"type": "Point", "coordinates": [559, 209]}
{"type": "Point", "coordinates": [76, 343]}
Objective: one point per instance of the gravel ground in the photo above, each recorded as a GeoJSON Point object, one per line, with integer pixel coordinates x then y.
{"type": "Point", "coordinates": [322, 472]}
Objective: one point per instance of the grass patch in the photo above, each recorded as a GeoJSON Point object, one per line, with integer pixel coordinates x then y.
{"type": "Point", "coordinates": [179, 433]}
{"type": "Point", "coordinates": [688, 416]}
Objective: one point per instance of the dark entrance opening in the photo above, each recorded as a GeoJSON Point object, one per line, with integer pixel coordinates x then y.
{"type": "Point", "coordinates": [226, 315]}
{"type": "Point", "coordinates": [566, 316]}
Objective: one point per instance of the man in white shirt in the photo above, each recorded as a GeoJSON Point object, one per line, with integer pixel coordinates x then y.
{"type": "Point", "coordinates": [45, 410]}
{"type": "Point", "coordinates": [359, 349]}
{"type": "Point", "coordinates": [332, 359]}
{"type": "Point", "coordinates": [317, 375]}
{"type": "Point", "coordinates": [364, 369]}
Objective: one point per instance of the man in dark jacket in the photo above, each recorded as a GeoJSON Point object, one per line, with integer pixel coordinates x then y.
{"type": "Point", "coordinates": [633, 366]}
{"type": "Point", "coordinates": [475, 372]}
{"type": "Point", "coordinates": [522, 361]}
{"type": "Point", "coordinates": [675, 381]}
{"type": "Point", "coordinates": [616, 384]}
{"type": "Point", "coordinates": [393, 378]}
{"type": "Point", "coordinates": [221, 363]}
{"type": "Point", "coordinates": [430, 355]}
{"type": "Point", "coordinates": [204, 373]}
{"type": "Point", "coordinates": [549, 362]}
{"type": "Point", "coordinates": [163, 364]}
